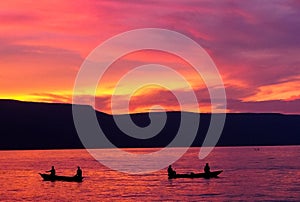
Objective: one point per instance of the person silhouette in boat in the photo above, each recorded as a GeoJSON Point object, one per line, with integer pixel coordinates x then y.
{"type": "Point", "coordinates": [79, 172]}
{"type": "Point", "coordinates": [52, 171]}
{"type": "Point", "coordinates": [206, 168]}
{"type": "Point", "coordinates": [171, 172]}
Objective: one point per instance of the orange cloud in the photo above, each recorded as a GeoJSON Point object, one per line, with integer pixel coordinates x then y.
{"type": "Point", "coordinates": [255, 46]}
{"type": "Point", "coordinates": [280, 91]}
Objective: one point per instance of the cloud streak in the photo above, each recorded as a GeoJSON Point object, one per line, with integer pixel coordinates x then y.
{"type": "Point", "coordinates": [255, 45]}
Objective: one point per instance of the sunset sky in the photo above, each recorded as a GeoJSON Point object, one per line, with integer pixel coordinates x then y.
{"type": "Point", "coordinates": [254, 44]}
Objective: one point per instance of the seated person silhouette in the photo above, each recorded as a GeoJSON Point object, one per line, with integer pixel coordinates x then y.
{"type": "Point", "coordinates": [206, 169]}
{"type": "Point", "coordinates": [52, 171]}
{"type": "Point", "coordinates": [171, 172]}
{"type": "Point", "coordinates": [79, 172]}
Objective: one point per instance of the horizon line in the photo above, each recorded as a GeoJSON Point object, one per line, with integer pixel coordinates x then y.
{"type": "Point", "coordinates": [145, 112]}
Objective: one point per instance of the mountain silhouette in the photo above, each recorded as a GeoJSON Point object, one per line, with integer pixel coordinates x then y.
{"type": "Point", "coordinates": [31, 125]}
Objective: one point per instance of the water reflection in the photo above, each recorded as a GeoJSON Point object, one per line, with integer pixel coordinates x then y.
{"type": "Point", "coordinates": [272, 173]}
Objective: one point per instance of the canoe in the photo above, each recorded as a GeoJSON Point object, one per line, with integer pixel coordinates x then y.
{"type": "Point", "coordinates": [213, 174]}
{"type": "Point", "coordinates": [48, 177]}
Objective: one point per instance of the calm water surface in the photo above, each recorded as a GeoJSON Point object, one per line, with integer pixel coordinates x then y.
{"type": "Point", "coordinates": [267, 174]}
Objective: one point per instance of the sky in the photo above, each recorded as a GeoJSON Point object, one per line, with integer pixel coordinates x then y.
{"type": "Point", "coordinates": [254, 44]}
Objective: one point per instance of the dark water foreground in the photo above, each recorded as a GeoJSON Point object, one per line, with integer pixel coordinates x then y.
{"type": "Point", "coordinates": [250, 174]}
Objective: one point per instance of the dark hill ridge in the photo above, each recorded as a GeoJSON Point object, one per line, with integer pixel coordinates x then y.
{"type": "Point", "coordinates": [29, 125]}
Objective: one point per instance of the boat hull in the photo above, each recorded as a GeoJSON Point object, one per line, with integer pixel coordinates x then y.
{"type": "Point", "coordinates": [48, 177]}
{"type": "Point", "coordinates": [213, 174]}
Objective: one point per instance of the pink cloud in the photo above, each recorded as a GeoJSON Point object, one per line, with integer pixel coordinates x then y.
{"type": "Point", "coordinates": [254, 44]}
{"type": "Point", "coordinates": [274, 106]}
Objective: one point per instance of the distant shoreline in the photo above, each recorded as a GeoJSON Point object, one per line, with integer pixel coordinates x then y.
{"type": "Point", "coordinates": [43, 126]}
{"type": "Point", "coordinates": [158, 148]}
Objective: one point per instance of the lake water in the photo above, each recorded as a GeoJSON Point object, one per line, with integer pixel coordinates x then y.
{"type": "Point", "coordinates": [267, 174]}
